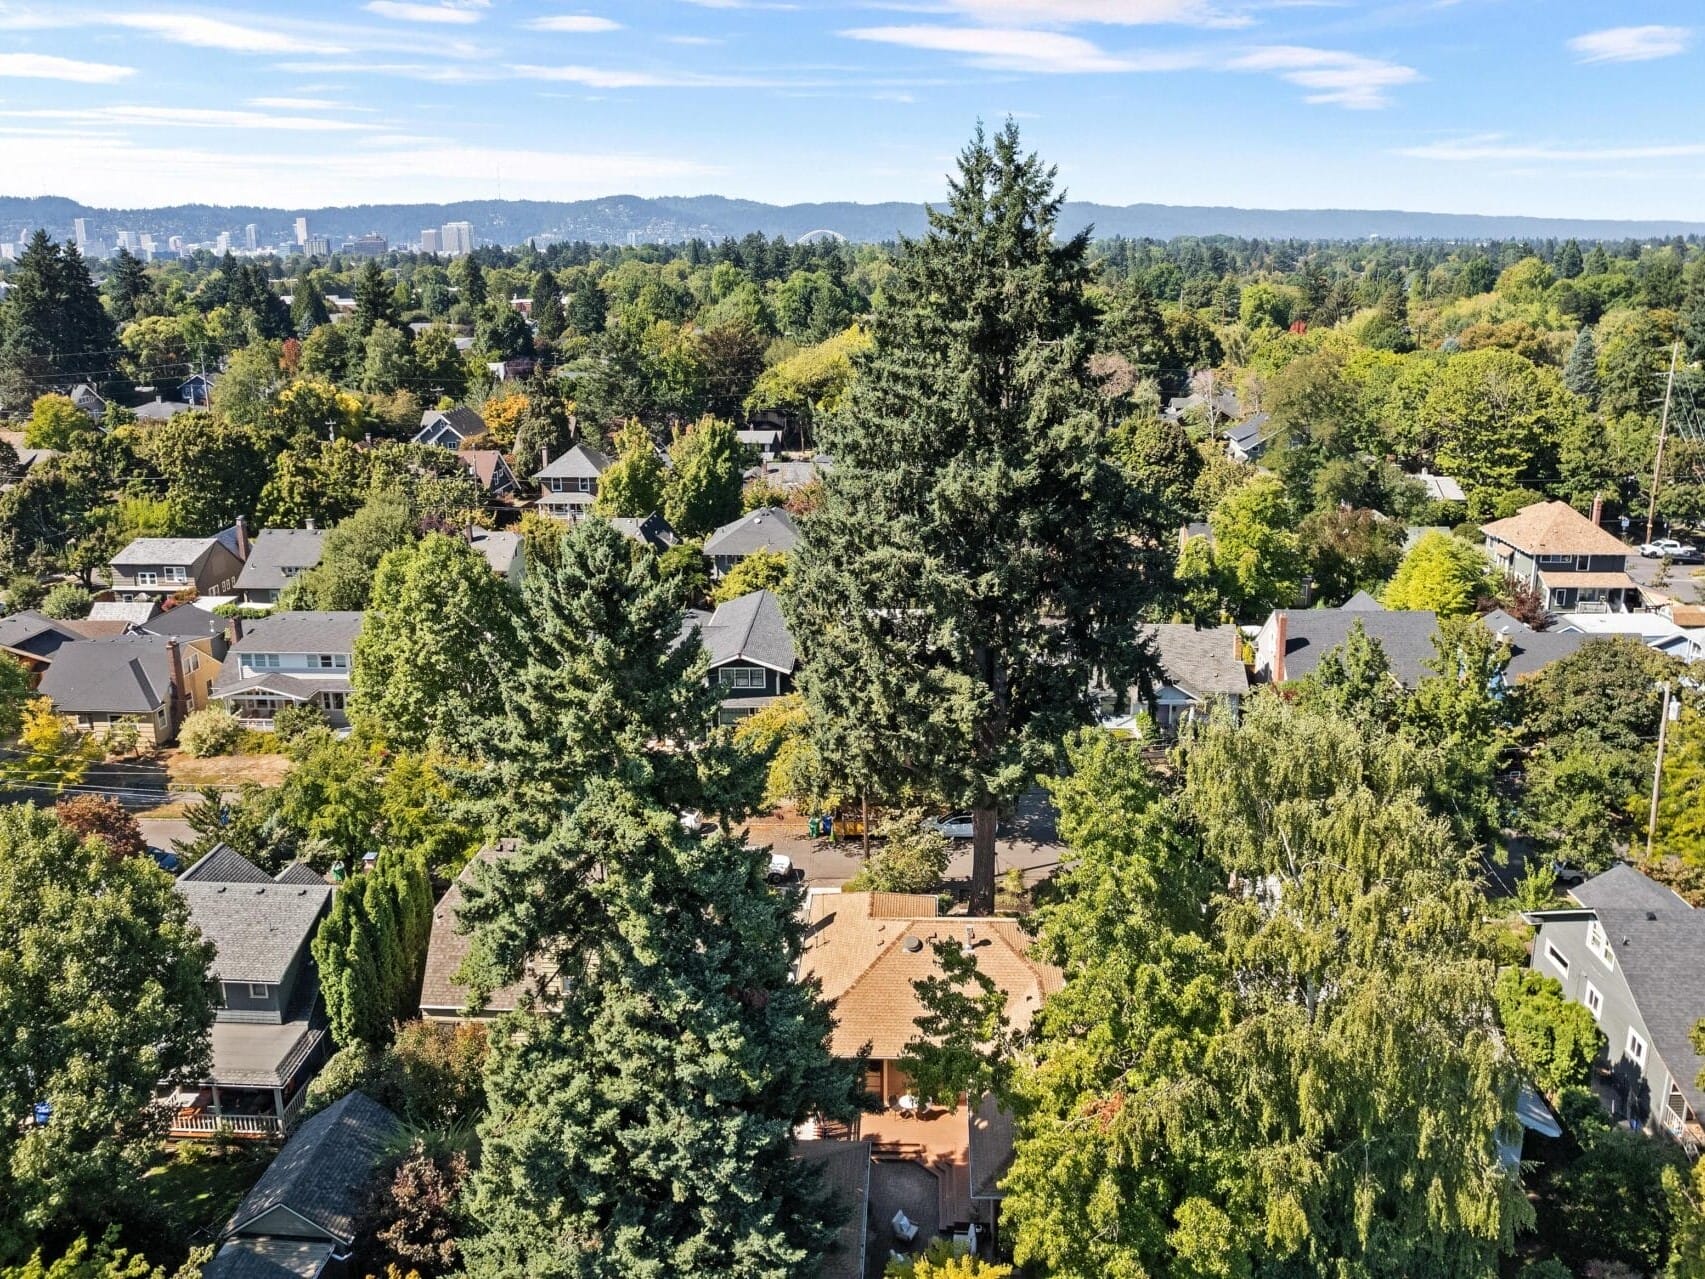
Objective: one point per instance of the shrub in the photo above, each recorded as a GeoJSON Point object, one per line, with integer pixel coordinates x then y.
{"type": "Point", "coordinates": [910, 860]}
{"type": "Point", "coordinates": [294, 722]}
{"type": "Point", "coordinates": [213, 731]}
{"type": "Point", "coordinates": [67, 602]}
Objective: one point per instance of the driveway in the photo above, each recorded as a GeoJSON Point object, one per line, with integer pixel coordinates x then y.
{"type": "Point", "coordinates": [1028, 841]}
{"type": "Point", "coordinates": [1682, 584]}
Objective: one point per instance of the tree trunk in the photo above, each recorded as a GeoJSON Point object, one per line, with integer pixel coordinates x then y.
{"type": "Point", "coordinates": [983, 861]}
{"type": "Point", "coordinates": [864, 822]}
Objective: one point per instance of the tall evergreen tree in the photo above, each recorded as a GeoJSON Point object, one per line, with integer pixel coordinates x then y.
{"type": "Point", "coordinates": [371, 949]}
{"type": "Point", "coordinates": [53, 328]}
{"type": "Point", "coordinates": [375, 303]}
{"type": "Point", "coordinates": [1569, 262]}
{"type": "Point", "coordinates": [548, 318]}
{"type": "Point", "coordinates": [978, 556]}
{"type": "Point", "coordinates": [1580, 374]}
{"type": "Point", "coordinates": [127, 285]}
{"type": "Point", "coordinates": [307, 306]}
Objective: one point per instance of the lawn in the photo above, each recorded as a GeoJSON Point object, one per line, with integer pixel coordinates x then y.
{"type": "Point", "coordinates": [225, 770]}
{"type": "Point", "coordinates": [196, 1188]}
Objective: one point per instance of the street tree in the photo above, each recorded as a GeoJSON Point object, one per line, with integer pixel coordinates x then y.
{"type": "Point", "coordinates": [1440, 574]}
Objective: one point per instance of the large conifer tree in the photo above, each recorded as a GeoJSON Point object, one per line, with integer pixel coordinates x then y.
{"type": "Point", "coordinates": [978, 558]}
{"type": "Point", "coordinates": [53, 328]}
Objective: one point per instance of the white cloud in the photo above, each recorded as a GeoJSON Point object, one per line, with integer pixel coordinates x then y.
{"type": "Point", "coordinates": [214, 33]}
{"type": "Point", "coordinates": [695, 41]}
{"type": "Point", "coordinates": [41, 66]}
{"type": "Point", "coordinates": [773, 5]}
{"type": "Point", "coordinates": [454, 14]}
{"type": "Point", "coordinates": [1337, 78]}
{"type": "Point", "coordinates": [1109, 12]}
{"type": "Point", "coordinates": [578, 23]}
{"type": "Point", "coordinates": [1494, 147]}
{"type": "Point", "coordinates": [621, 78]}
{"type": "Point", "coordinates": [303, 104]}
{"type": "Point", "coordinates": [1631, 44]}
{"type": "Point", "coordinates": [185, 118]}
{"type": "Point", "coordinates": [433, 72]}
{"type": "Point", "coordinates": [1008, 48]}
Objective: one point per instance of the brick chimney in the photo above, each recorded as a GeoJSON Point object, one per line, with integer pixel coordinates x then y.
{"type": "Point", "coordinates": [175, 693]}
{"type": "Point", "coordinates": [242, 538]}
{"type": "Point", "coordinates": [544, 456]}
{"type": "Point", "coordinates": [1281, 637]}
{"type": "Point", "coordinates": [235, 629]}
{"type": "Point", "coordinates": [1598, 510]}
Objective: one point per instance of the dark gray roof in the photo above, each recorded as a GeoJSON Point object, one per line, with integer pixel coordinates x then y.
{"type": "Point", "coordinates": [1623, 887]}
{"type": "Point", "coordinates": [462, 420]}
{"type": "Point", "coordinates": [1531, 650]}
{"type": "Point", "coordinates": [186, 621]}
{"type": "Point", "coordinates": [258, 929]}
{"type": "Point", "coordinates": [299, 873]}
{"type": "Point", "coordinates": [231, 683]}
{"type": "Point", "coordinates": [322, 1173]}
{"type": "Point", "coordinates": [158, 410]}
{"type": "Point", "coordinates": [749, 629]}
{"type": "Point", "coordinates": [1662, 956]}
{"type": "Point", "coordinates": [34, 633]}
{"type": "Point", "coordinates": [767, 529]}
{"type": "Point", "coordinates": [991, 1148]}
{"type": "Point", "coordinates": [653, 530]}
{"type": "Point", "coordinates": [258, 1258]}
{"type": "Point", "coordinates": [224, 865]}
{"type": "Point", "coordinates": [1202, 662]}
{"type": "Point", "coordinates": [301, 632]}
{"type": "Point", "coordinates": [1251, 432]}
{"type": "Point", "coordinates": [1362, 602]}
{"type": "Point", "coordinates": [580, 462]}
{"type": "Point", "coordinates": [120, 675]}
{"type": "Point", "coordinates": [1405, 637]}
{"type": "Point", "coordinates": [277, 549]}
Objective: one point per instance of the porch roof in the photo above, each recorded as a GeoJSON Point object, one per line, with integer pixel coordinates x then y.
{"type": "Point", "coordinates": [297, 690]}
{"type": "Point", "coordinates": [250, 1054]}
{"type": "Point", "coordinates": [1612, 580]}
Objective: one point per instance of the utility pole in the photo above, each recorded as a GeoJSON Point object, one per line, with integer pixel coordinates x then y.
{"type": "Point", "coordinates": [1658, 771]}
{"type": "Point", "coordinates": [1663, 436]}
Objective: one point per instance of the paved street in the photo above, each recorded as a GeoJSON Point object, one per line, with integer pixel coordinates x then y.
{"type": "Point", "coordinates": [1682, 584]}
{"type": "Point", "coordinates": [1028, 842]}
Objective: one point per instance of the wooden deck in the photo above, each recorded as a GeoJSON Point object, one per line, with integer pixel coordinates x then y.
{"type": "Point", "coordinates": [939, 1140]}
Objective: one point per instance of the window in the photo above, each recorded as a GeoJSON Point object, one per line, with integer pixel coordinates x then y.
{"type": "Point", "coordinates": [333, 701]}
{"type": "Point", "coordinates": [175, 574]}
{"type": "Point", "coordinates": [1558, 959]}
{"type": "Point", "coordinates": [146, 577]}
{"type": "Point", "coordinates": [1636, 1048]}
{"type": "Point", "coordinates": [1599, 944]}
{"type": "Point", "coordinates": [1594, 1001]}
{"type": "Point", "coordinates": [259, 990]}
{"type": "Point", "coordinates": [262, 661]}
{"type": "Point", "coordinates": [742, 677]}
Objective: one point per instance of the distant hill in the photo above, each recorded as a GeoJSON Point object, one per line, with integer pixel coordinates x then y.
{"type": "Point", "coordinates": [619, 219]}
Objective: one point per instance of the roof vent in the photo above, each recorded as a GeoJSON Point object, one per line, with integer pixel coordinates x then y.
{"type": "Point", "coordinates": [221, 888]}
{"type": "Point", "coordinates": [1652, 914]}
{"type": "Point", "coordinates": [912, 945]}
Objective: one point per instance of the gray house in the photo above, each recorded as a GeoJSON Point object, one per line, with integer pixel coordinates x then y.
{"type": "Point", "coordinates": [269, 1034]}
{"type": "Point", "coordinates": [450, 428]}
{"type": "Point", "coordinates": [569, 485]}
{"type": "Point", "coordinates": [1573, 563]}
{"type": "Point", "coordinates": [277, 555]}
{"type": "Point", "coordinates": [1247, 441]}
{"type": "Point", "coordinates": [294, 658]}
{"type": "Point", "coordinates": [302, 1215]}
{"type": "Point", "coordinates": [33, 638]}
{"type": "Point", "coordinates": [768, 528]}
{"type": "Point", "coordinates": [1198, 668]}
{"type": "Point", "coordinates": [99, 682]}
{"type": "Point", "coordinates": [751, 653]}
{"type": "Point", "coordinates": [152, 568]}
{"type": "Point", "coordinates": [1633, 953]}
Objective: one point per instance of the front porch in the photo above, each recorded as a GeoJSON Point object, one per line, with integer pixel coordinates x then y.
{"type": "Point", "coordinates": [260, 1077]}
{"type": "Point", "coordinates": [1589, 592]}
{"type": "Point", "coordinates": [246, 1113]}
{"type": "Point", "coordinates": [1680, 1122]}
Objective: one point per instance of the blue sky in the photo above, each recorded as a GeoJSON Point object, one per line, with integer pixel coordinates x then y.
{"type": "Point", "coordinates": [1556, 107]}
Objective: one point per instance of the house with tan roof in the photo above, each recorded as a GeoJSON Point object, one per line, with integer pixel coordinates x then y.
{"type": "Point", "coordinates": [443, 995]}
{"type": "Point", "coordinates": [1574, 564]}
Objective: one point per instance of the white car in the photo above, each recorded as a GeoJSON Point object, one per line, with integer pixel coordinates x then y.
{"type": "Point", "coordinates": [957, 826]}
{"type": "Point", "coordinates": [1670, 547]}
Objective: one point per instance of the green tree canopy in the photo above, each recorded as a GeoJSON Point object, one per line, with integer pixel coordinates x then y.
{"type": "Point", "coordinates": [1441, 574]}
{"type": "Point", "coordinates": [702, 490]}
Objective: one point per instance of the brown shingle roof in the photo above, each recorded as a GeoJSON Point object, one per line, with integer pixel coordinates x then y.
{"type": "Point", "coordinates": [1553, 528]}
{"type": "Point", "coordinates": [867, 949]}
{"type": "Point", "coordinates": [440, 994]}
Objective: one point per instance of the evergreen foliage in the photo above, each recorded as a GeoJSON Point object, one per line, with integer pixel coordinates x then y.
{"type": "Point", "coordinates": [371, 949]}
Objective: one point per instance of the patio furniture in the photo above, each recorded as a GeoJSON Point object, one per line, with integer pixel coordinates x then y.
{"type": "Point", "coordinates": [904, 1228]}
{"type": "Point", "coordinates": [908, 1106]}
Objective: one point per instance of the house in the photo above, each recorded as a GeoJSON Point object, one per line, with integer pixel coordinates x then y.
{"type": "Point", "coordinates": [1654, 630]}
{"type": "Point", "coordinates": [269, 1036]}
{"type": "Point", "coordinates": [845, 1171]}
{"type": "Point", "coordinates": [765, 441]}
{"type": "Point", "coordinates": [1573, 563]}
{"type": "Point", "coordinates": [151, 568]}
{"type": "Point", "coordinates": [1222, 403]}
{"type": "Point", "coordinates": [276, 556]}
{"type": "Point", "coordinates": [1198, 668]}
{"type": "Point", "coordinates": [28, 460]}
{"type": "Point", "coordinates": [122, 613]}
{"type": "Point", "coordinates": [159, 409]}
{"type": "Point", "coordinates": [490, 470]}
{"type": "Point", "coordinates": [89, 401]}
{"type": "Point", "coordinates": [1633, 953]}
{"type": "Point", "coordinates": [569, 485]}
{"type": "Point", "coordinates": [751, 653]}
{"type": "Point", "coordinates": [513, 370]}
{"type": "Point", "coordinates": [289, 659]}
{"type": "Point", "coordinates": [1247, 441]}
{"type": "Point", "coordinates": [301, 1217]}
{"type": "Point", "coordinates": [442, 996]}
{"type": "Point", "coordinates": [133, 677]}
{"type": "Point", "coordinates": [653, 531]}
{"type": "Point", "coordinates": [788, 476]}
{"type": "Point", "coordinates": [1440, 488]}
{"type": "Point", "coordinates": [768, 528]}
{"type": "Point", "coordinates": [866, 951]}
{"type": "Point", "coordinates": [504, 551]}
{"type": "Point", "coordinates": [32, 639]}
{"type": "Point", "coordinates": [450, 428]}
{"type": "Point", "coordinates": [197, 389]}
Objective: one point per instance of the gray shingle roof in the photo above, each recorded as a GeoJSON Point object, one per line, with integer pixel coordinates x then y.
{"type": "Point", "coordinates": [143, 552]}
{"type": "Point", "coordinates": [224, 865]}
{"type": "Point", "coordinates": [1251, 432]}
{"type": "Point", "coordinates": [1405, 637]}
{"type": "Point", "coordinates": [653, 530]}
{"type": "Point", "coordinates": [323, 1171]}
{"type": "Point", "coordinates": [231, 683]}
{"type": "Point", "coordinates": [186, 621]}
{"type": "Point", "coordinates": [1531, 650]}
{"type": "Point", "coordinates": [132, 611]}
{"type": "Point", "coordinates": [34, 633]}
{"type": "Point", "coordinates": [498, 547]}
{"type": "Point", "coordinates": [749, 629]}
{"type": "Point", "coordinates": [1662, 956]}
{"type": "Point", "coordinates": [1362, 602]}
{"type": "Point", "coordinates": [302, 631]}
{"type": "Point", "coordinates": [257, 1258]}
{"type": "Point", "coordinates": [277, 549]}
{"type": "Point", "coordinates": [1202, 662]}
{"type": "Point", "coordinates": [120, 675]}
{"type": "Point", "coordinates": [580, 462]}
{"type": "Point", "coordinates": [768, 529]}
{"type": "Point", "coordinates": [462, 420]}
{"type": "Point", "coordinates": [299, 873]}
{"type": "Point", "coordinates": [258, 929]}
{"type": "Point", "coordinates": [1623, 887]}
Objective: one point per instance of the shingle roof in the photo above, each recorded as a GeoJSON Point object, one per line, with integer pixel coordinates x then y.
{"type": "Point", "coordinates": [34, 633]}
{"type": "Point", "coordinates": [277, 549]}
{"type": "Point", "coordinates": [224, 865]}
{"type": "Point", "coordinates": [497, 546]}
{"type": "Point", "coordinates": [580, 462]}
{"type": "Point", "coordinates": [1362, 602]}
{"type": "Point", "coordinates": [1251, 432]}
{"type": "Point", "coordinates": [299, 873]}
{"type": "Point", "coordinates": [1530, 650]}
{"type": "Point", "coordinates": [750, 628]}
{"type": "Point", "coordinates": [1405, 637]}
{"type": "Point", "coordinates": [1441, 488]}
{"type": "Point", "coordinates": [653, 530]}
{"type": "Point", "coordinates": [302, 631]}
{"type": "Point", "coordinates": [845, 1169]}
{"type": "Point", "coordinates": [767, 529]}
{"type": "Point", "coordinates": [466, 423]}
{"type": "Point", "coordinates": [1203, 662]}
{"type": "Point", "coordinates": [1553, 528]}
{"type": "Point", "coordinates": [867, 950]}
{"type": "Point", "coordinates": [993, 1142]}
{"type": "Point", "coordinates": [186, 621]}
{"type": "Point", "coordinates": [258, 929]}
{"type": "Point", "coordinates": [440, 993]}
{"type": "Point", "coordinates": [257, 1258]}
{"type": "Point", "coordinates": [144, 552]}
{"type": "Point", "coordinates": [1622, 887]}
{"type": "Point", "coordinates": [232, 682]}
{"type": "Point", "coordinates": [120, 675]}
{"type": "Point", "coordinates": [127, 611]}
{"type": "Point", "coordinates": [1662, 956]}
{"type": "Point", "coordinates": [484, 465]}
{"type": "Point", "coordinates": [322, 1173]}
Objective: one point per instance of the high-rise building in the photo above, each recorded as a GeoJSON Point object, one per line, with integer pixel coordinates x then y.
{"type": "Point", "coordinates": [176, 244]}
{"type": "Point", "coordinates": [82, 233]}
{"type": "Point", "coordinates": [302, 231]}
{"type": "Point", "coordinates": [458, 238]}
{"type": "Point", "coordinates": [430, 241]}
{"type": "Point", "coordinates": [127, 240]}
{"type": "Point", "coordinates": [317, 246]}
{"type": "Point", "coordinates": [146, 240]}
{"type": "Point", "coordinates": [222, 243]}
{"type": "Point", "coordinates": [251, 237]}
{"type": "Point", "coordinates": [371, 245]}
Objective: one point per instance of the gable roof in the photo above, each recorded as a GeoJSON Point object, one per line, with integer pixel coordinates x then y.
{"type": "Point", "coordinates": [277, 549]}
{"type": "Point", "coordinates": [35, 633]}
{"type": "Point", "coordinates": [1202, 662]}
{"type": "Point", "coordinates": [1625, 888]}
{"type": "Point", "coordinates": [299, 873]}
{"type": "Point", "coordinates": [1530, 650]}
{"type": "Point", "coordinates": [867, 949]}
{"type": "Point", "coordinates": [118, 675]}
{"type": "Point", "coordinates": [322, 1173]}
{"type": "Point", "coordinates": [259, 929]}
{"type": "Point", "coordinates": [498, 546]}
{"type": "Point", "coordinates": [1441, 488]}
{"type": "Point", "coordinates": [462, 420]}
{"type": "Point", "coordinates": [1362, 602]}
{"type": "Point", "coordinates": [224, 865]}
{"type": "Point", "coordinates": [653, 530]}
{"type": "Point", "coordinates": [1254, 431]}
{"type": "Point", "coordinates": [185, 621]}
{"type": "Point", "coordinates": [254, 1257]}
{"type": "Point", "coordinates": [1406, 638]}
{"type": "Point", "coordinates": [1553, 528]}
{"type": "Point", "coordinates": [749, 628]}
{"type": "Point", "coordinates": [127, 611]}
{"type": "Point", "coordinates": [301, 631]}
{"type": "Point", "coordinates": [144, 552]}
{"type": "Point", "coordinates": [440, 993]}
{"type": "Point", "coordinates": [767, 529]}
{"type": "Point", "coordinates": [845, 1170]}
{"type": "Point", "coordinates": [582, 462]}
{"type": "Point", "coordinates": [486, 465]}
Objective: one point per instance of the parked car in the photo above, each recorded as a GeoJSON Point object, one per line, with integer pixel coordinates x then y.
{"type": "Point", "coordinates": [958, 826]}
{"type": "Point", "coordinates": [783, 871]}
{"type": "Point", "coordinates": [1670, 547]}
